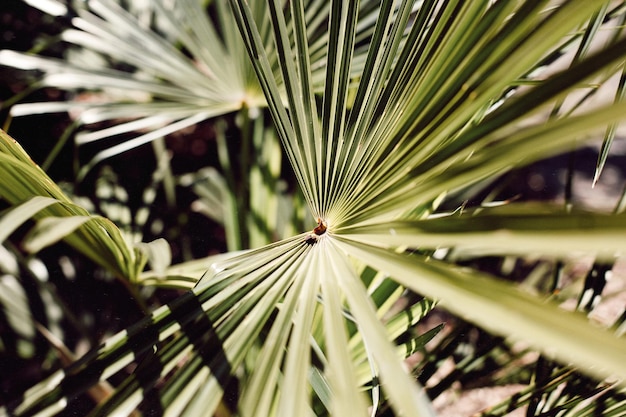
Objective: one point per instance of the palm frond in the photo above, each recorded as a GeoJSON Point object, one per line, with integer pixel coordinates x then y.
{"type": "Point", "coordinates": [430, 115]}
{"type": "Point", "coordinates": [152, 73]}
{"type": "Point", "coordinates": [125, 54]}
{"type": "Point", "coordinates": [435, 106]}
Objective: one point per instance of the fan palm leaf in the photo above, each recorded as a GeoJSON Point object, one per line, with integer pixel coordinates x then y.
{"type": "Point", "coordinates": [436, 108]}
{"type": "Point", "coordinates": [151, 72]}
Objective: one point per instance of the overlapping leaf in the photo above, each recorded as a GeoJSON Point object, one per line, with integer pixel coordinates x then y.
{"type": "Point", "coordinates": [35, 195]}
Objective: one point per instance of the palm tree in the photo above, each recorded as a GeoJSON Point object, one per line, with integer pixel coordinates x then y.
{"type": "Point", "coordinates": [409, 103]}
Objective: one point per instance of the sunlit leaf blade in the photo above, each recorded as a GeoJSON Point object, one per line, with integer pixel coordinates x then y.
{"type": "Point", "coordinates": [341, 373]}
{"type": "Point", "coordinates": [402, 323]}
{"type": "Point", "coordinates": [260, 393]}
{"type": "Point", "coordinates": [294, 397]}
{"type": "Point", "coordinates": [406, 398]}
{"type": "Point", "coordinates": [384, 45]}
{"type": "Point", "coordinates": [421, 185]}
{"type": "Point", "coordinates": [143, 139]}
{"type": "Point", "coordinates": [50, 230]}
{"type": "Point", "coordinates": [158, 254]}
{"type": "Point", "coordinates": [343, 20]}
{"type": "Point", "coordinates": [201, 339]}
{"type": "Point", "coordinates": [515, 229]}
{"type": "Point", "coordinates": [10, 221]}
{"type": "Point", "coordinates": [469, 162]}
{"type": "Point", "coordinates": [184, 275]}
{"type": "Point", "coordinates": [52, 7]}
{"type": "Point", "coordinates": [519, 315]}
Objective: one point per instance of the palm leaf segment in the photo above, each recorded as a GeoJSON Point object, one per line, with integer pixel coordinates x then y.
{"type": "Point", "coordinates": [422, 121]}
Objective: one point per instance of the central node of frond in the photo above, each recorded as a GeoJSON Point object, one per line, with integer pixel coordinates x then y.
{"type": "Point", "coordinates": [317, 232]}
{"type": "Point", "coordinates": [321, 228]}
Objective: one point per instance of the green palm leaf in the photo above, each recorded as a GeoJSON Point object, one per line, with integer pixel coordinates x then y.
{"type": "Point", "coordinates": [436, 108]}
{"type": "Point", "coordinates": [26, 186]}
